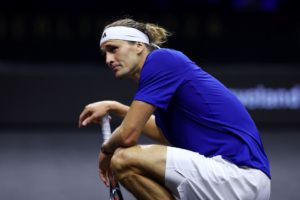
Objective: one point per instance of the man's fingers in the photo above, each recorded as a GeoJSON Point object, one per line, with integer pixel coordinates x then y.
{"type": "Point", "coordinates": [84, 114]}
{"type": "Point", "coordinates": [85, 111]}
{"type": "Point", "coordinates": [104, 179]}
{"type": "Point", "coordinates": [87, 120]}
{"type": "Point", "coordinates": [113, 181]}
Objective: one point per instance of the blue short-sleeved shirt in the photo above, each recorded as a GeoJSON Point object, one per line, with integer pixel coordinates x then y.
{"type": "Point", "coordinates": [197, 112]}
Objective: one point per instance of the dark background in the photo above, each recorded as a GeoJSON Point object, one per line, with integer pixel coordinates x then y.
{"type": "Point", "coordinates": [207, 30]}
{"type": "Point", "coordinates": [51, 67]}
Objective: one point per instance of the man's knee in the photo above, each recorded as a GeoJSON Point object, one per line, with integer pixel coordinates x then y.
{"type": "Point", "coordinates": [117, 160]}
{"type": "Point", "coordinates": [122, 161]}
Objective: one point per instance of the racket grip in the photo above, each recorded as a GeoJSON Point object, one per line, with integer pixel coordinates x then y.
{"type": "Point", "coordinates": [115, 193]}
{"type": "Point", "coordinates": [106, 131]}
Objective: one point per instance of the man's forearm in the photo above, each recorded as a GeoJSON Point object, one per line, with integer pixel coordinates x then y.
{"type": "Point", "coordinates": [118, 108]}
{"type": "Point", "coordinates": [129, 131]}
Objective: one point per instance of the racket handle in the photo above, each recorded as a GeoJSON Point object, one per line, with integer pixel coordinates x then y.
{"type": "Point", "coordinates": [106, 131]}
{"type": "Point", "coordinates": [115, 193]}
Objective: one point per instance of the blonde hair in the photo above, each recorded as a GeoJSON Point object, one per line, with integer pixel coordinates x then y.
{"type": "Point", "coordinates": [157, 35]}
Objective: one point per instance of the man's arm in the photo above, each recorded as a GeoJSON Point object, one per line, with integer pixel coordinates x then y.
{"type": "Point", "coordinates": [150, 129]}
{"type": "Point", "coordinates": [128, 133]}
{"type": "Point", "coordinates": [154, 132]}
{"type": "Point", "coordinates": [94, 111]}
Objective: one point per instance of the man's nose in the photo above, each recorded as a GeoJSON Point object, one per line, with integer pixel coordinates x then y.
{"type": "Point", "coordinates": [109, 58]}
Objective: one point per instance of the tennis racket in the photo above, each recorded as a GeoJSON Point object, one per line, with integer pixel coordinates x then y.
{"type": "Point", "coordinates": [114, 190]}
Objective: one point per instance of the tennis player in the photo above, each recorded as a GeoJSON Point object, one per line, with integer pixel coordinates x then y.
{"type": "Point", "coordinates": [208, 145]}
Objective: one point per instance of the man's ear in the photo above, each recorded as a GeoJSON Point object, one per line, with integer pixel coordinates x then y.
{"type": "Point", "coordinates": [140, 47]}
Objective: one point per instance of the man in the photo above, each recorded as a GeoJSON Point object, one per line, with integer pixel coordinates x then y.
{"type": "Point", "coordinates": [209, 145]}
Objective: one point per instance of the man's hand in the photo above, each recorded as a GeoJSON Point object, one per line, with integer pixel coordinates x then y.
{"type": "Point", "coordinates": [105, 173]}
{"type": "Point", "coordinates": [92, 113]}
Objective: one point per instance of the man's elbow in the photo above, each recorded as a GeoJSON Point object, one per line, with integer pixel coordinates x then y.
{"type": "Point", "coordinates": [129, 136]}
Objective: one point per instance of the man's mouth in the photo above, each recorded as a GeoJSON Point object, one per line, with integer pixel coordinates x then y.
{"type": "Point", "coordinates": [115, 68]}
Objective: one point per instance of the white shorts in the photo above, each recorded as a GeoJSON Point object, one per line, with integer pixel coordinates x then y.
{"type": "Point", "coordinates": [190, 175]}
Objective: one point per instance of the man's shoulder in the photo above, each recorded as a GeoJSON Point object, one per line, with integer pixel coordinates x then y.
{"type": "Point", "coordinates": [168, 55]}
{"type": "Point", "coordinates": [165, 52]}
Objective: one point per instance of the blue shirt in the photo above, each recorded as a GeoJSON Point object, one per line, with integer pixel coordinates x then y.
{"type": "Point", "coordinates": [197, 112]}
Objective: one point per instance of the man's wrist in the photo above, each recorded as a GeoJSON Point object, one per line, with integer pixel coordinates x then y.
{"type": "Point", "coordinates": [106, 151]}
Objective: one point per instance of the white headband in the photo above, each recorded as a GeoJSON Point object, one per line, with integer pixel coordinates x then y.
{"type": "Point", "coordinates": [123, 33]}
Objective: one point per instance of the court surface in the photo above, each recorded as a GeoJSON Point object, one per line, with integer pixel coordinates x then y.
{"type": "Point", "coordinates": [61, 164]}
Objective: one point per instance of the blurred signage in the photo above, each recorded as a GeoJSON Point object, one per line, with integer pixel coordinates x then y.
{"type": "Point", "coordinates": [267, 98]}
{"type": "Point", "coordinates": [270, 92]}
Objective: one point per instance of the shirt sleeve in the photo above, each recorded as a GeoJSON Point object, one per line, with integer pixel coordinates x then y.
{"type": "Point", "coordinates": [161, 76]}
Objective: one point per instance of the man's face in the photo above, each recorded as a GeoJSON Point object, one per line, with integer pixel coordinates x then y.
{"type": "Point", "coordinates": [122, 57]}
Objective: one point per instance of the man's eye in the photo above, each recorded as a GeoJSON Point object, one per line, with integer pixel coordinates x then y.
{"type": "Point", "coordinates": [112, 49]}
